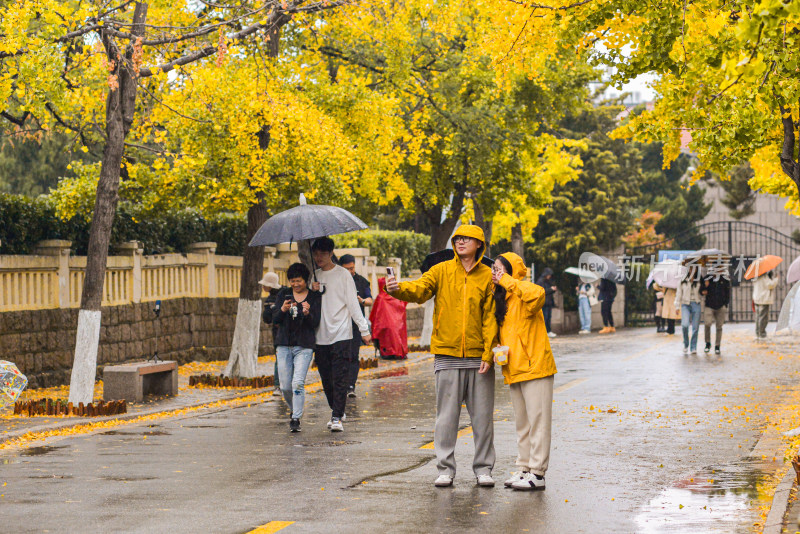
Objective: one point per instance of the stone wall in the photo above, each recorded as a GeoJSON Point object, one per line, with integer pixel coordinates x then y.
{"type": "Point", "coordinates": [42, 342]}
{"type": "Point", "coordinates": [414, 316]}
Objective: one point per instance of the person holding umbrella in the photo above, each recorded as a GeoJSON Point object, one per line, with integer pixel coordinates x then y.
{"type": "Point", "coordinates": [464, 332]}
{"type": "Point", "coordinates": [717, 291]}
{"type": "Point", "coordinates": [334, 335]}
{"type": "Point", "coordinates": [688, 297]}
{"type": "Point", "coordinates": [763, 296]}
{"type": "Point", "coordinates": [608, 292]}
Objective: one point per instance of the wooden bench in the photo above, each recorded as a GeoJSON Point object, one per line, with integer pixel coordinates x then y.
{"type": "Point", "coordinates": [134, 381]}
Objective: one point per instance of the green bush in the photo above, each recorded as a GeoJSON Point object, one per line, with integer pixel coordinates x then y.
{"type": "Point", "coordinates": [26, 221]}
{"type": "Point", "coordinates": [408, 246]}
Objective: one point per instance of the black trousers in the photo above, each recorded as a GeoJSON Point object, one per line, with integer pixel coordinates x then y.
{"type": "Point", "coordinates": [352, 375]}
{"type": "Point", "coordinates": [333, 364]}
{"type": "Point", "coordinates": [605, 312]}
{"type": "Point", "coordinates": [670, 326]}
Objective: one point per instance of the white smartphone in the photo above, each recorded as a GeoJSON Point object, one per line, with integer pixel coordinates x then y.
{"type": "Point", "coordinates": [390, 272]}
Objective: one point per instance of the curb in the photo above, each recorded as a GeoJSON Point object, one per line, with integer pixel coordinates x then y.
{"type": "Point", "coordinates": [71, 423]}
{"type": "Point", "coordinates": [780, 503]}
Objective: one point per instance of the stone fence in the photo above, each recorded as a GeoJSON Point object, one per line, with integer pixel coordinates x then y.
{"type": "Point", "coordinates": [40, 295]}
{"type": "Point", "coordinates": [51, 278]}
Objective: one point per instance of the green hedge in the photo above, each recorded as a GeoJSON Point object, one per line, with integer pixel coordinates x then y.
{"type": "Point", "coordinates": [408, 246]}
{"type": "Point", "coordinates": [26, 221]}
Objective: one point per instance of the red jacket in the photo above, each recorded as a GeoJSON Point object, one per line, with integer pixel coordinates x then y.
{"type": "Point", "coordinates": [388, 317]}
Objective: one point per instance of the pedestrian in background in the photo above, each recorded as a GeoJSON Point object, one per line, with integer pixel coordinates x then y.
{"type": "Point", "coordinates": [271, 283]}
{"type": "Point", "coordinates": [687, 296]}
{"type": "Point", "coordinates": [297, 315]}
{"type": "Point", "coordinates": [545, 281]}
{"type": "Point", "coordinates": [763, 296]}
{"type": "Point", "coordinates": [364, 295]}
{"type": "Point", "coordinates": [608, 292]}
{"type": "Point", "coordinates": [464, 332]}
{"type": "Point", "coordinates": [586, 295]}
{"type": "Point", "coordinates": [334, 334]}
{"type": "Point", "coordinates": [389, 328]}
{"type": "Point", "coordinates": [659, 299]}
{"type": "Point", "coordinates": [717, 291]}
{"type": "Point", "coordinates": [669, 311]}
{"type": "Point", "coordinates": [530, 368]}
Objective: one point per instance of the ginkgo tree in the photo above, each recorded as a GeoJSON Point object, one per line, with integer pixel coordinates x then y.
{"type": "Point", "coordinates": [473, 139]}
{"type": "Point", "coordinates": [78, 67]}
{"type": "Point", "coordinates": [727, 73]}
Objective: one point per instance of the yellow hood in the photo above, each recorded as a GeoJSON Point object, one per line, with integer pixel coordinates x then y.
{"type": "Point", "coordinates": [518, 269]}
{"type": "Point", "coordinates": [475, 232]}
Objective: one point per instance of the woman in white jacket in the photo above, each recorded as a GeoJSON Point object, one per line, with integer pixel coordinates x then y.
{"type": "Point", "coordinates": [763, 296]}
{"type": "Point", "coordinates": [688, 298]}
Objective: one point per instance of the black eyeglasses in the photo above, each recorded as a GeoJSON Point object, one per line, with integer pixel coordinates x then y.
{"type": "Point", "coordinates": [462, 239]}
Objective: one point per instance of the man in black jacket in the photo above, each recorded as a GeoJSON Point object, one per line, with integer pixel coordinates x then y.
{"type": "Point", "coordinates": [546, 282]}
{"type": "Point", "coordinates": [717, 289]}
{"type": "Point", "coordinates": [348, 261]}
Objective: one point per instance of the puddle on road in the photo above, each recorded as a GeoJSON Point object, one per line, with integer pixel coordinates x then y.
{"type": "Point", "coordinates": [718, 499]}
{"type": "Point", "coordinates": [326, 443]}
{"type": "Point", "coordinates": [145, 433]}
{"type": "Point", "coordinates": [44, 449]}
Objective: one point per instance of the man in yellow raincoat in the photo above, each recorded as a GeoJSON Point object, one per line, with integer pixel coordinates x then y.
{"type": "Point", "coordinates": [464, 332]}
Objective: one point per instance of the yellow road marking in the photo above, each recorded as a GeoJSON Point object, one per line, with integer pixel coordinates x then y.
{"type": "Point", "coordinates": [461, 433]}
{"type": "Point", "coordinates": [645, 351]}
{"type": "Point", "coordinates": [570, 384]}
{"type": "Point", "coordinates": [272, 526]}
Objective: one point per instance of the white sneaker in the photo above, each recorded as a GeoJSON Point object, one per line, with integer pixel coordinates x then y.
{"type": "Point", "coordinates": [443, 481]}
{"type": "Point", "coordinates": [686, 350]}
{"type": "Point", "coordinates": [583, 332]}
{"type": "Point", "coordinates": [529, 482]}
{"type": "Point", "coordinates": [515, 477]}
{"type": "Point", "coordinates": [330, 423]}
{"type": "Point", "coordinates": [551, 334]}
{"type": "Point", "coordinates": [694, 352]}
{"type": "Point", "coordinates": [336, 425]}
{"type": "Point", "coordinates": [276, 392]}
{"type": "Point", "coordinates": [486, 481]}
{"type": "Point", "coordinates": [343, 419]}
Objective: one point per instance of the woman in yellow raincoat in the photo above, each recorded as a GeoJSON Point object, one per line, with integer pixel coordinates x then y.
{"type": "Point", "coordinates": [530, 368]}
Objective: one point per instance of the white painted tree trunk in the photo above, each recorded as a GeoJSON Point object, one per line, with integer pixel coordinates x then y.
{"type": "Point", "coordinates": [427, 325]}
{"type": "Point", "coordinates": [246, 333]}
{"type": "Point", "coordinates": [84, 368]}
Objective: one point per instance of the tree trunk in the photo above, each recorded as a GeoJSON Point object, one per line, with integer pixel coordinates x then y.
{"type": "Point", "coordinates": [517, 243]}
{"type": "Point", "coordinates": [789, 165]}
{"type": "Point", "coordinates": [120, 108]}
{"type": "Point", "coordinates": [243, 359]}
{"type": "Point", "coordinates": [480, 220]}
{"type": "Point", "coordinates": [441, 231]}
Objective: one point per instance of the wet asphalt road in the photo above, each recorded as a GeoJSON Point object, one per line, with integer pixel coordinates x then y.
{"type": "Point", "coordinates": [641, 443]}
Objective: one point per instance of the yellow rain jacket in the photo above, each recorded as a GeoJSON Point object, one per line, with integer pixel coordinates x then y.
{"type": "Point", "coordinates": [523, 330]}
{"type": "Point", "coordinates": [463, 314]}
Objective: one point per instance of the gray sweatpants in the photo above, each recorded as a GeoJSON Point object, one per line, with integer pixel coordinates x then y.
{"type": "Point", "coordinates": [476, 391]}
{"type": "Point", "coordinates": [762, 319]}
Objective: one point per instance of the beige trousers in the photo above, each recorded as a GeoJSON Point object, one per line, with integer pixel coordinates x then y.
{"type": "Point", "coordinates": [533, 413]}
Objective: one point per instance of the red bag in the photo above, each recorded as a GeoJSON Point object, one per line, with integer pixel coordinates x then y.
{"type": "Point", "coordinates": [388, 317]}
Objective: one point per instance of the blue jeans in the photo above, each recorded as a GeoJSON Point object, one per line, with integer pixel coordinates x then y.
{"type": "Point", "coordinates": [690, 314]}
{"type": "Point", "coordinates": [585, 313]}
{"type": "Point", "coordinates": [293, 363]}
{"type": "Point", "coordinates": [547, 311]}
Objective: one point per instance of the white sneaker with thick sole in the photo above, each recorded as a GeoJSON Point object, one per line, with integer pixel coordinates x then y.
{"type": "Point", "coordinates": [686, 350]}
{"type": "Point", "coordinates": [343, 419]}
{"type": "Point", "coordinates": [529, 482]}
{"type": "Point", "coordinates": [336, 425]}
{"type": "Point", "coordinates": [443, 481]}
{"type": "Point", "coordinates": [584, 332]}
{"type": "Point", "coordinates": [486, 481]}
{"type": "Point", "coordinates": [551, 334]}
{"type": "Point", "coordinates": [515, 477]}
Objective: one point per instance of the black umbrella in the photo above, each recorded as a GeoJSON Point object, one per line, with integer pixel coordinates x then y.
{"type": "Point", "coordinates": [306, 221]}
{"type": "Point", "coordinates": [613, 273]}
{"type": "Point", "coordinates": [444, 255]}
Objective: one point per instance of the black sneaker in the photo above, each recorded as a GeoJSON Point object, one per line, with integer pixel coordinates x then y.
{"type": "Point", "coordinates": [351, 393]}
{"type": "Point", "coordinates": [294, 425]}
{"type": "Point", "coordinates": [717, 351]}
{"type": "Point", "coordinates": [708, 348]}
